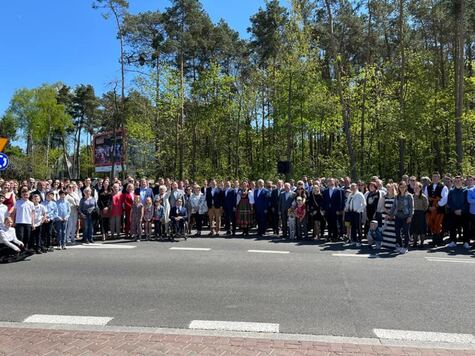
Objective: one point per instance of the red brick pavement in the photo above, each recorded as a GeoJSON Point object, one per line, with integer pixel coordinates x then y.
{"type": "Point", "coordinates": [26, 341]}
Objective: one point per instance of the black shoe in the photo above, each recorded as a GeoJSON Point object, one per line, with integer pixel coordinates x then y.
{"type": "Point", "coordinates": [38, 252]}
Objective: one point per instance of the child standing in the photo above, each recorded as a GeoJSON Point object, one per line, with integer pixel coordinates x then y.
{"type": "Point", "coordinates": [52, 211]}
{"type": "Point", "coordinates": [136, 217]}
{"type": "Point", "coordinates": [147, 217]}
{"type": "Point", "coordinates": [40, 217]}
{"type": "Point", "coordinates": [291, 222]}
{"type": "Point", "coordinates": [62, 219]}
{"type": "Point", "coordinates": [375, 234]}
{"type": "Point", "coordinates": [158, 216]}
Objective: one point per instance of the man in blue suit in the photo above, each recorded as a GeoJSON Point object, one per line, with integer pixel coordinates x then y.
{"type": "Point", "coordinates": [286, 199]}
{"type": "Point", "coordinates": [334, 204]}
{"type": "Point", "coordinates": [230, 198]}
{"type": "Point", "coordinates": [261, 206]}
{"type": "Point", "coordinates": [274, 198]}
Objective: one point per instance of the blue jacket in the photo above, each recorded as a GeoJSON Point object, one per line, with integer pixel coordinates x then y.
{"type": "Point", "coordinates": [471, 199]}
{"type": "Point", "coordinates": [216, 200]}
{"type": "Point", "coordinates": [456, 199]}
{"type": "Point", "coordinates": [336, 202]}
{"type": "Point", "coordinates": [230, 200]}
{"type": "Point", "coordinates": [261, 201]}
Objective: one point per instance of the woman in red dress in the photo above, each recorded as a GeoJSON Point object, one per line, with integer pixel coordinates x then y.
{"type": "Point", "coordinates": [128, 202]}
{"type": "Point", "coordinates": [10, 198]}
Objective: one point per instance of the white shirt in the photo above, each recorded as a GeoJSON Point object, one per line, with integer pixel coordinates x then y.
{"type": "Point", "coordinates": [444, 194]}
{"type": "Point", "coordinates": [40, 213]}
{"type": "Point", "coordinates": [24, 211]}
{"type": "Point", "coordinates": [250, 195]}
{"type": "Point", "coordinates": [8, 238]}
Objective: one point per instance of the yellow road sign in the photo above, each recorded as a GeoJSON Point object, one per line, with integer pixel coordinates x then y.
{"type": "Point", "coordinates": [3, 143]}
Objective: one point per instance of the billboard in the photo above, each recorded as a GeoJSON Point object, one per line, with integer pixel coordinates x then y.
{"type": "Point", "coordinates": [105, 151]}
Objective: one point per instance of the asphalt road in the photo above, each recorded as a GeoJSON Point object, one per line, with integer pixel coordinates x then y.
{"type": "Point", "coordinates": [308, 290]}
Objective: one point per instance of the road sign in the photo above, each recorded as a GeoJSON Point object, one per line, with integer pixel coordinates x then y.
{"type": "Point", "coordinates": [4, 161]}
{"type": "Point", "coordinates": [3, 143]}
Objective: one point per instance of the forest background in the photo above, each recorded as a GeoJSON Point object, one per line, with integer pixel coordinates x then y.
{"type": "Point", "coordinates": [336, 87]}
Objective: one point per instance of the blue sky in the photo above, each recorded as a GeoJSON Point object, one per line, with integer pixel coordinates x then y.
{"type": "Point", "coordinates": [66, 40]}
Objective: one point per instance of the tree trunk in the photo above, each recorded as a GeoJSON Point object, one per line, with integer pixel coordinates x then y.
{"type": "Point", "coordinates": [345, 109]}
{"type": "Point", "coordinates": [78, 146]}
{"type": "Point", "coordinates": [182, 117]}
{"type": "Point", "coordinates": [289, 121]}
{"type": "Point", "coordinates": [459, 78]}
{"type": "Point", "coordinates": [402, 85]}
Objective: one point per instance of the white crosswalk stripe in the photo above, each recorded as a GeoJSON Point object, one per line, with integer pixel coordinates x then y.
{"type": "Point", "coordinates": [424, 336]}
{"type": "Point", "coordinates": [451, 260]}
{"type": "Point", "coordinates": [103, 246]}
{"type": "Point", "coordinates": [67, 319]}
{"type": "Point", "coordinates": [268, 251]}
{"type": "Point", "coordinates": [234, 326]}
{"type": "Point", "coordinates": [190, 249]}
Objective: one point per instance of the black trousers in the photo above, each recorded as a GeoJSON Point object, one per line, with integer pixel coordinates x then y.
{"type": "Point", "coordinates": [274, 219]}
{"type": "Point", "coordinates": [456, 223]}
{"type": "Point", "coordinates": [47, 232]}
{"type": "Point", "coordinates": [230, 221]}
{"type": "Point", "coordinates": [355, 221]}
{"type": "Point", "coordinates": [36, 237]}
{"type": "Point", "coordinates": [23, 233]}
{"type": "Point", "coordinates": [332, 221]}
{"type": "Point", "coordinates": [198, 221]}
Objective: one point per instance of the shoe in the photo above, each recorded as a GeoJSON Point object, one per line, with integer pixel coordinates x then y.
{"type": "Point", "coordinates": [50, 249]}
{"type": "Point", "coordinates": [63, 248]}
{"type": "Point", "coordinates": [397, 249]}
{"type": "Point", "coordinates": [403, 251]}
{"type": "Point", "coordinates": [466, 245]}
{"type": "Point", "coordinates": [358, 244]}
{"type": "Point", "coordinates": [452, 245]}
{"type": "Point", "coordinates": [198, 234]}
{"type": "Point", "coordinates": [211, 234]}
{"type": "Point", "coordinates": [38, 252]}
{"type": "Point", "coordinates": [228, 232]}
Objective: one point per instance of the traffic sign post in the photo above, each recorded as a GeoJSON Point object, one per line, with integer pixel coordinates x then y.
{"type": "Point", "coordinates": [3, 143]}
{"type": "Point", "coordinates": [4, 161]}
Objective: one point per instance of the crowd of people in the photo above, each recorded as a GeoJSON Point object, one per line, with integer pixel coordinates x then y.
{"type": "Point", "coordinates": [35, 216]}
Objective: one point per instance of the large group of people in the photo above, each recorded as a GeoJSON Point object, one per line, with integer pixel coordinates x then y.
{"type": "Point", "coordinates": [35, 215]}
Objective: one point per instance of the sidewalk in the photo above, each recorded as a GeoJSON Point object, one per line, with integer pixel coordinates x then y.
{"type": "Point", "coordinates": [36, 341]}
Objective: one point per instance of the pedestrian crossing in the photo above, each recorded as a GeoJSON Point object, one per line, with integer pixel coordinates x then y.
{"type": "Point", "coordinates": [383, 336]}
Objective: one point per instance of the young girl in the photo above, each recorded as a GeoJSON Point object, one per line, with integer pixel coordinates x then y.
{"type": "Point", "coordinates": [419, 224]}
{"type": "Point", "coordinates": [147, 217]}
{"type": "Point", "coordinates": [291, 222]}
{"type": "Point", "coordinates": [158, 216]}
{"type": "Point", "coordinates": [136, 217]}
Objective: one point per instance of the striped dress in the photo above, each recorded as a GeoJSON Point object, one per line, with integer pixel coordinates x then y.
{"type": "Point", "coordinates": [389, 229]}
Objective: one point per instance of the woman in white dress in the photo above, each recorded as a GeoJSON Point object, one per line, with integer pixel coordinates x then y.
{"type": "Point", "coordinates": [389, 229]}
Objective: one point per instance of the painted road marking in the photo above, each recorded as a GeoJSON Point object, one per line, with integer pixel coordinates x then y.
{"type": "Point", "coordinates": [234, 326]}
{"type": "Point", "coordinates": [455, 260]}
{"type": "Point", "coordinates": [103, 246]}
{"type": "Point", "coordinates": [190, 249]}
{"type": "Point", "coordinates": [407, 335]}
{"type": "Point", "coordinates": [268, 251]}
{"type": "Point", "coordinates": [354, 255]}
{"type": "Point", "coordinates": [67, 319]}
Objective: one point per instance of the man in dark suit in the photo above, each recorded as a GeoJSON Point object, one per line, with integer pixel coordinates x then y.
{"type": "Point", "coordinates": [286, 199]}
{"type": "Point", "coordinates": [334, 204]}
{"type": "Point", "coordinates": [230, 198]}
{"type": "Point", "coordinates": [261, 206]}
{"type": "Point", "coordinates": [274, 206]}
{"type": "Point", "coordinates": [178, 216]}
{"type": "Point", "coordinates": [214, 201]}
